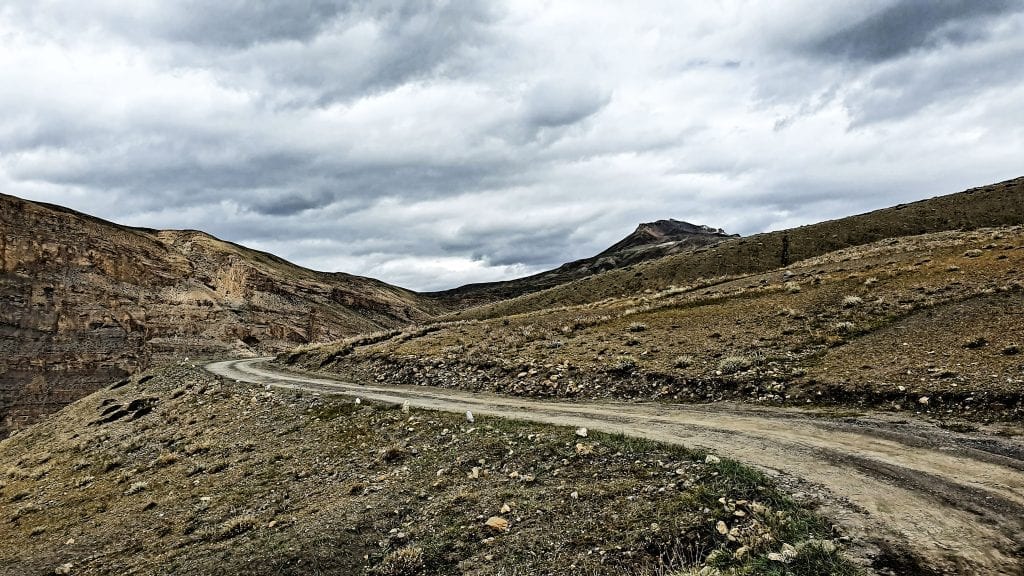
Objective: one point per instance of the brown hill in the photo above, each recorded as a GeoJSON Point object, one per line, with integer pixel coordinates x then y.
{"type": "Point", "coordinates": [649, 241]}
{"type": "Point", "coordinates": [84, 301]}
{"type": "Point", "coordinates": [999, 204]}
{"type": "Point", "coordinates": [928, 323]}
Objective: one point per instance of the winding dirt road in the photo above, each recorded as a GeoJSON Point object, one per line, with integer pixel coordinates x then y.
{"type": "Point", "coordinates": [955, 500]}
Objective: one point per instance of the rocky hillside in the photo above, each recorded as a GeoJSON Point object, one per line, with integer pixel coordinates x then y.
{"type": "Point", "coordinates": [179, 472]}
{"type": "Point", "coordinates": [650, 241]}
{"type": "Point", "coordinates": [929, 323]}
{"type": "Point", "coordinates": [999, 204]}
{"type": "Point", "coordinates": [84, 301]}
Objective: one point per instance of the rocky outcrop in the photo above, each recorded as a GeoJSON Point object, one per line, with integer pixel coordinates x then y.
{"type": "Point", "coordinates": [649, 241]}
{"type": "Point", "coordinates": [84, 302]}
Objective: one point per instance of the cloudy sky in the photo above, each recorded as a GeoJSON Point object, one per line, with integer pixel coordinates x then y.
{"type": "Point", "coordinates": [431, 144]}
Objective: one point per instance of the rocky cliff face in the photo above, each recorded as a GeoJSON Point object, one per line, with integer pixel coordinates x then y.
{"type": "Point", "coordinates": [84, 302]}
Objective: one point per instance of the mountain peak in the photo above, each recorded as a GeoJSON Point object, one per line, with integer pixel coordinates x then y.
{"type": "Point", "coordinates": [661, 231]}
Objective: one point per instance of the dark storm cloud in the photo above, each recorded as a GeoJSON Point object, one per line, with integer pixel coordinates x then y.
{"type": "Point", "coordinates": [239, 23]}
{"type": "Point", "coordinates": [433, 143]}
{"type": "Point", "coordinates": [560, 103]}
{"type": "Point", "coordinates": [536, 246]}
{"type": "Point", "coordinates": [372, 46]}
{"type": "Point", "coordinates": [909, 25]}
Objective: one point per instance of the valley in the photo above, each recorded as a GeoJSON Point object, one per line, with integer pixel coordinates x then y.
{"type": "Point", "coordinates": [840, 398]}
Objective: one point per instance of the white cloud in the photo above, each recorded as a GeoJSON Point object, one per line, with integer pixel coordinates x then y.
{"type": "Point", "coordinates": [432, 144]}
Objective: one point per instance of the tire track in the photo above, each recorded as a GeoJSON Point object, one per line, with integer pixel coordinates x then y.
{"type": "Point", "coordinates": [898, 483]}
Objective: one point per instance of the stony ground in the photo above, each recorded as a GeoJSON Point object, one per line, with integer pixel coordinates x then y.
{"type": "Point", "coordinates": [930, 324]}
{"type": "Point", "coordinates": [180, 472]}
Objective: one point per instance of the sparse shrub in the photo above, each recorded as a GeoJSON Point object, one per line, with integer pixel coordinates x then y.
{"type": "Point", "coordinates": [733, 364]}
{"type": "Point", "coordinates": [852, 301]}
{"type": "Point", "coordinates": [237, 525]}
{"type": "Point", "coordinates": [165, 459]}
{"type": "Point", "coordinates": [200, 448]}
{"type": "Point", "coordinates": [871, 281]}
{"type": "Point", "coordinates": [356, 488]}
{"type": "Point", "coordinates": [25, 510]}
{"type": "Point", "coordinates": [684, 361]}
{"type": "Point", "coordinates": [217, 466]}
{"type": "Point", "coordinates": [136, 487]}
{"type": "Point", "coordinates": [843, 327]}
{"type": "Point", "coordinates": [392, 453]}
{"type": "Point", "coordinates": [975, 343]}
{"type": "Point", "coordinates": [637, 327]}
{"type": "Point", "coordinates": [20, 495]}
{"type": "Point", "coordinates": [407, 561]}
{"type": "Point", "coordinates": [623, 364]}
{"type": "Point", "coordinates": [17, 473]}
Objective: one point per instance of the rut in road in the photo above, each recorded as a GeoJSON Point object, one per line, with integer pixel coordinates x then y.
{"type": "Point", "coordinates": [955, 500]}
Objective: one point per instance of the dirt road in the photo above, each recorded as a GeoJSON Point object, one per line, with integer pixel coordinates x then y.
{"type": "Point", "coordinates": [956, 500]}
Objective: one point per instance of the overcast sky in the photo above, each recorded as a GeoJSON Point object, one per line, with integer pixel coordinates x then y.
{"type": "Point", "coordinates": [431, 144]}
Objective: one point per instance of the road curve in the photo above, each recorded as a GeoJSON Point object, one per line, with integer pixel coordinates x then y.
{"type": "Point", "coordinates": [956, 500]}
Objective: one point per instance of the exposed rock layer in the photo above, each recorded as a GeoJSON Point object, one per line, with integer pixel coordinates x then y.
{"type": "Point", "coordinates": [84, 301]}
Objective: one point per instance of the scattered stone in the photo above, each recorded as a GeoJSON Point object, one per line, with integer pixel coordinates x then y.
{"type": "Point", "coordinates": [505, 509]}
{"type": "Point", "coordinates": [497, 523]}
{"type": "Point", "coordinates": [712, 459]}
{"type": "Point", "coordinates": [826, 546]}
{"type": "Point", "coordinates": [575, 495]}
{"type": "Point", "coordinates": [469, 417]}
{"type": "Point", "coordinates": [584, 449]}
{"type": "Point", "coordinates": [582, 432]}
{"type": "Point", "coordinates": [358, 401]}
{"type": "Point", "coordinates": [924, 401]}
{"type": "Point", "coordinates": [722, 527]}
{"type": "Point", "coordinates": [405, 407]}
{"type": "Point", "coordinates": [63, 568]}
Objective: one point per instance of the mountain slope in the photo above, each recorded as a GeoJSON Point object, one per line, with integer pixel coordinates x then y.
{"type": "Point", "coordinates": [180, 472]}
{"type": "Point", "coordinates": [928, 323]}
{"type": "Point", "coordinates": [650, 241]}
{"type": "Point", "coordinates": [85, 301]}
{"type": "Point", "coordinates": [999, 204]}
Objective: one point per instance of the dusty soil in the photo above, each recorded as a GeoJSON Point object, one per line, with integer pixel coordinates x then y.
{"type": "Point", "coordinates": [929, 324]}
{"type": "Point", "coordinates": [902, 487]}
{"type": "Point", "coordinates": [183, 472]}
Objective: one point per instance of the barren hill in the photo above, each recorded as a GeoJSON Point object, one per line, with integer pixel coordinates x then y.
{"type": "Point", "coordinates": [85, 301]}
{"type": "Point", "coordinates": [999, 204]}
{"type": "Point", "coordinates": [650, 241]}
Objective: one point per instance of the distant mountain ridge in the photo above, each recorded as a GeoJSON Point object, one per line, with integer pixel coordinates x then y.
{"type": "Point", "coordinates": [662, 231]}
{"type": "Point", "coordinates": [650, 241]}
